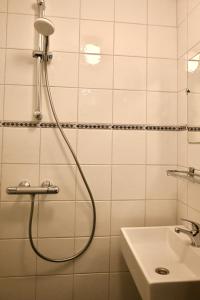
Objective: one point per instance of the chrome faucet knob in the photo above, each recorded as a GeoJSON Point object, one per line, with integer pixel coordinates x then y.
{"type": "Point", "coordinates": [193, 234]}
{"type": "Point", "coordinates": [24, 184]}
{"type": "Point", "coordinates": [46, 183]}
{"type": "Point", "coordinates": [195, 226]}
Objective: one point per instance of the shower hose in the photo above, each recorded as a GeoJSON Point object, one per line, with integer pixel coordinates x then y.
{"type": "Point", "coordinates": [79, 253]}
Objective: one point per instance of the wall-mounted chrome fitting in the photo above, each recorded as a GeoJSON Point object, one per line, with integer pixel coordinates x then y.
{"type": "Point", "coordinates": [24, 188]}
{"type": "Point", "coordinates": [42, 55]}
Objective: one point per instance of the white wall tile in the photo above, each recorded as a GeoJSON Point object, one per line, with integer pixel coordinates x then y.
{"type": "Point", "coordinates": [19, 96]}
{"type": "Point", "coordinates": [97, 10]}
{"type": "Point", "coordinates": [14, 149]}
{"type": "Point", "coordinates": [58, 248]}
{"type": "Point", "coordinates": [129, 147]}
{"type": "Point", "coordinates": [3, 6]}
{"type": "Point", "coordinates": [193, 24]}
{"type": "Point", "coordinates": [94, 147]}
{"type": "Point", "coordinates": [126, 214]}
{"type": "Point", "coordinates": [162, 148]}
{"type": "Point", "coordinates": [25, 7]}
{"type": "Point", "coordinates": [55, 287]}
{"type": "Point", "coordinates": [14, 220]}
{"type": "Point", "coordinates": [159, 185]}
{"type": "Point", "coordinates": [117, 262]}
{"type": "Point", "coordinates": [193, 195]}
{"type": "Point", "coordinates": [56, 219]}
{"type": "Point", "coordinates": [2, 62]}
{"type": "Point", "coordinates": [96, 259]}
{"type": "Point", "coordinates": [61, 175]}
{"type": "Point", "coordinates": [63, 70]}
{"type": "Point", "coordinates": [193, 150]}
{"type": "Point", "coordinates": [20, 31]}
{"type": "Point", "coordinates": [99, 179]}
{"type": "Point", "coordinates": [19, 67]}
{"type": "Point", "coordinates": [129, 107]}
{"type": "Point", "coordinates": [131, 11]}
{"type": "Point", "coordinates": [182, 108]}
{"type": "Point", "coordinates": [125, 44]}
{"type": "Point", "coordinates": [161, 108]}
{"type": "Point", "coordinates": [182, 148]}
{"type": "Point", "coordinates": [128, 182]}
{"type": "Point", "coordinates": [182, 73]}
{"type": "Point", "coordinates": [182, 38]}
{"type": "Point", "coordinates": [160, 212]}
{"type": "Point", "coordinates": [84, 217]}
{"type": "Point", "coordinates": [181, 212]}
{"type": "Point", "coordinates": [65, 102]}
{"type": "Point", "coordinates": [96, 71]}
{"type": "Point", "coordinates": [1, 142]}
{"type": "Point", "coordinates": [3, 22]}
{"type": "Point", "coordinates": [162, 42]}
{"type": "Point", "coordinates": [162, 75]}
{"type": "Point", "coordinates": [122, 285]}
{"type": "Point", "coordinates": [22, 260]}
{"type": "Point", "coordinates": [60, 153]}
{"type": "Point", "coordinates": [193, 215]}
{"type": "Point", "coordinates": [17, 288]}
{"type": "Point", "coordinates": [181, 10]}
{"type": "Point", "coordinates": [129, 73]}
{"type": "Point", "coordinates": [193, 109]}
{"type": "Point", "coordinates": [91, 286]}
{"type": "Point", "coordinates": [2, 91]}
{"type": "Point", "coordinates": [66, 35]}
{"type": "Point", "coordinates": [192, 4]}
{"type": "Point", "coordinates": [66, 8]}
{"type": "Point", "coordinates": [13, 174]}
{"type": "Point", "coordinates": [161, 12]}
{"type": "Point", "coordinates": [96, 37]}
{"type": "Point", "coordinates": [95, 106]}
{"type": "Point", "coordinates": [182, 190]}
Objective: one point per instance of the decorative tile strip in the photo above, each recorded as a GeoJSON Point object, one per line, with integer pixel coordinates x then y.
{"type": "Point", "coordinates": [19, 124]}
{"type": "Point", "coordinates": [162, 128]}
{"type": "Point", "coordinates": [183, 128]}
{"type": "Point", "coordinates": [104, 126]}
{"type": "Point", "coordinates": [94, 126]}
{"type": "Point", "coordinates": [54, 125]}
{"type": "Point", "coordinates": [128, 127]}
{"type": "Point", "coordinates": [193, 129]}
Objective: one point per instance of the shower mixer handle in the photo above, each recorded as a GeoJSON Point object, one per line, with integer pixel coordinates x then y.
{"type": "Point", "coordinates": [24, 188]}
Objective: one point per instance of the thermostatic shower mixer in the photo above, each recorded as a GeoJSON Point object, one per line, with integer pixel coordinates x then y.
{"type": "Point", "coordinates": [26, 189]}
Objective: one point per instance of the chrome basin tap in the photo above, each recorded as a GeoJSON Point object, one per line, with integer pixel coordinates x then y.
{"type": "Point", "coordinates": [193, 234]}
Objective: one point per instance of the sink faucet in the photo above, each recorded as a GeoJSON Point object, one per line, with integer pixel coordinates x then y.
{"type": "Point", "coordinates": [194, 233]}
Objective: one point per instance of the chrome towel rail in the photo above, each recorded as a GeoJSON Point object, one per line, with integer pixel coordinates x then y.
{"type": "Point", "coordinates": [189, 174]}
{"type": "Point", "coordinates": [26, 189]}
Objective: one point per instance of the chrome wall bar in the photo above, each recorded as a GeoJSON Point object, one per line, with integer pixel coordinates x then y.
{"type": "Point", "coordinates": [37, 115]}
{"type": "Point", "coordinates": [190, 174]}
{"type": "Point", "coordinates": [24, 188]}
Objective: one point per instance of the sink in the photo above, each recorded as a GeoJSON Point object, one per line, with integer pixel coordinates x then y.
{"type": "Point", "coordinates": [147, 248]}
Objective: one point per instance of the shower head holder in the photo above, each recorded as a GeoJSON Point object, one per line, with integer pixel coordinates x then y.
{"type": "Point", "coordinates": [43, 55]}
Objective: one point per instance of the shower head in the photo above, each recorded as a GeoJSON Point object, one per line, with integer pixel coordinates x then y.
{"type": "Point", "coordinates": [44, 26]}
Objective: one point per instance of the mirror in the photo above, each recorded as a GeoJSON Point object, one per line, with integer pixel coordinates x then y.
{"type": "Point", "coordinates": [193, 95]}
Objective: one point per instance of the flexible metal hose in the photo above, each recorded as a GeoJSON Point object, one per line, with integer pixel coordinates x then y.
{"type": "Point", "coordinates": [82, 176]}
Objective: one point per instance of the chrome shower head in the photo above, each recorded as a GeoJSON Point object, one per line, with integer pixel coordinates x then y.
{"type": "Point", "coordinates": [44, 26]}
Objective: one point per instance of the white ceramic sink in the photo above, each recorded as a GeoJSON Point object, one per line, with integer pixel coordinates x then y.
{"type": "Point", "coordinates": [147, 248]}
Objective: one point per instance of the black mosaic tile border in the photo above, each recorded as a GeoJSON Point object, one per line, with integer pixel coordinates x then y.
{"type": "Point", "coordinates": [193, 129]}
{"type": "Point", "coordinates": [104, 126]}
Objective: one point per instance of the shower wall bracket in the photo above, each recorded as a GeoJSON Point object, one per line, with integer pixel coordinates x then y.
{"type": "Point", "coordinates": [24, 188]}
{"type": "Point", "coordinates": [42, 55]}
